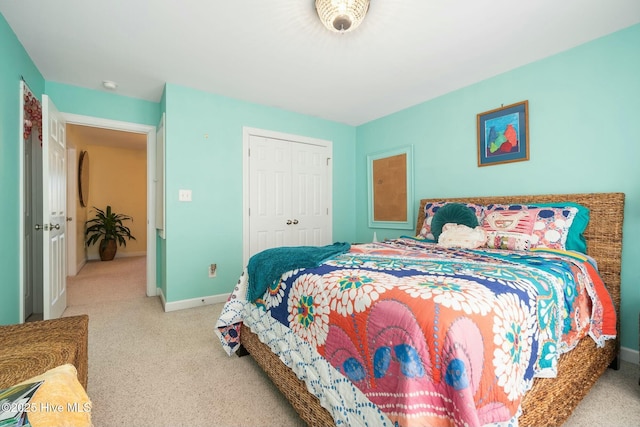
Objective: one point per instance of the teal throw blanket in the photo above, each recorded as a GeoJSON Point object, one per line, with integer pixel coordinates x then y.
{"type": "Point", "coordinates": [267, 266]}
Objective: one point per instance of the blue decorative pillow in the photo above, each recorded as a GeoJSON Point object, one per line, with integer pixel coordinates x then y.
{"type": "Point", "coordinates": [456, 213]}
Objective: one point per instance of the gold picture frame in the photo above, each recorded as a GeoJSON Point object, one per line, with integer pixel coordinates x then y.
{"type": "Point", "coordinates": [503, 135]}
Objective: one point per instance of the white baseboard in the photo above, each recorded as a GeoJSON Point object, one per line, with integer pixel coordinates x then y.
{"type": "Point", "coordinates": [629, 355]}
{"type": "Point", "coordinates": [96, 257]}
{"type": "Point", "coordinates": [191, 303]}
{"type": "Point", "coordinates": [82, 264]}
{"type": "Point", "coordinates": [78, 267]}
{"type": "Point", "coordinates": [161, 295]}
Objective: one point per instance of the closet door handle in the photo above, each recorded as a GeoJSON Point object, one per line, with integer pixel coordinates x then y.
{"type": "Point", "coordinates": [288, 222]}
{"type": "Point", "coordinates": [295, 221]}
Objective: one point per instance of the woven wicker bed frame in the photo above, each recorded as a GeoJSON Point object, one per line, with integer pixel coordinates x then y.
{"type": "Point", "coordinates": [550, 401]}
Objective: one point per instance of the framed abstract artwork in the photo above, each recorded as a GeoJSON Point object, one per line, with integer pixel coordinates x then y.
{"type": "Point", "coordinates": [503, 135]}
{"type": "Point", "coordinates": [390, 181]}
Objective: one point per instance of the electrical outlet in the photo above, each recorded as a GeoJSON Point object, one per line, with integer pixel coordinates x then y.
{"type": "Point", "coordinates": [212, 270]}
{"type": "Point", "coordinates": [184, 195]}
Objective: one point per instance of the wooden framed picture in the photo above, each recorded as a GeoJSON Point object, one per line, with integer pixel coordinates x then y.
{"type": "Point", "coordinates": [503, 135]}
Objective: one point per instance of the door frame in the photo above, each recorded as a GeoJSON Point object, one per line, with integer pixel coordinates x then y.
{"type": "Point", "coordinates": [72, 191]}
{"type": "Point", "coordinates": [247, 133]}
{"type": "Point", "coordinates": [150, 131]}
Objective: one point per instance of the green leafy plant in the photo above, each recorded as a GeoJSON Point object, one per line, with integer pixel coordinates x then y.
{"type": "Point", "coordinates": [107, 225]}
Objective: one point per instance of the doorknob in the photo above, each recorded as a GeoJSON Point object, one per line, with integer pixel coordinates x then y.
{"type": "Point", "coordinates": [38, 227]}
{"type": "Point", "coordinates": [288, 222]}
{"type": "Point", "coordinates": [69, 219]}
{"type": "Point", "coordinates": [295, 221]}
{"type": "Point", "coordinates": [51, 226]}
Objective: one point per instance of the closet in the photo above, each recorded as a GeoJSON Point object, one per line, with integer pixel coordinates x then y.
{"type": "Point", "coordinates": [289, 192]}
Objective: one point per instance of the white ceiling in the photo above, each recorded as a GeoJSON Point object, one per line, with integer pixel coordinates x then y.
{"type": "Point", "coordinates": [276, 52]}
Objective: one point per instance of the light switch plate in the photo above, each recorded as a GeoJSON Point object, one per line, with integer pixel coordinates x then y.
{"type": "Point", "coordinates": [184, 195]}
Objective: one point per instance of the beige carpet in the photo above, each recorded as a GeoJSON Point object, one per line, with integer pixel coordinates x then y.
{"type": "Point", "coordinates": [151, 368]}
{"type": "Point", "coordinates": [102, 281]}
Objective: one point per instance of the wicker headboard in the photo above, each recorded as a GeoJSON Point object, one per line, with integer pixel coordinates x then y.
{"type": "Point", "coordinates": [603, 233]}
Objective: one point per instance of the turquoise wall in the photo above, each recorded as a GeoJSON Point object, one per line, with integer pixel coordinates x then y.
{"type": "Point", "coordinates": [15, 62]}
{"type": "Point", "coordinates": [105, 105]}
{"type": "Point", "coordinates": [209, 229]}
{"type": "Point", "coordinates": [584, 105]}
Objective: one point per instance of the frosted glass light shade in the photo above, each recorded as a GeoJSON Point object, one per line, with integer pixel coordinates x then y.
{"type": "Point", "coordinates": [342, 16]}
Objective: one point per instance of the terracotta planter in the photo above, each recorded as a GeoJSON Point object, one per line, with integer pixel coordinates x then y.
{"type": "Point", "coordinates": [108, 249]}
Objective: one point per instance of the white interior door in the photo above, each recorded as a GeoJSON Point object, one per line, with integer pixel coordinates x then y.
{"type": "Point", "coordinates": [288, 194]}
{"type": "Point", "coordinates": [54, 205]}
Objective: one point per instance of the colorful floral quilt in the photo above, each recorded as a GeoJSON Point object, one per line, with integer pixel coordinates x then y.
{"type": "Point", "coordinates": [434, 336]}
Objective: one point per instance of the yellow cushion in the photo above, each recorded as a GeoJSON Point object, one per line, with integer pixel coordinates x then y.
{"type": "Point", "coordinates": [60, 401]}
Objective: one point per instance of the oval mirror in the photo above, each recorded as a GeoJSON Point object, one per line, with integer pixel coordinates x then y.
{"type": "Point", "coordinates": [83, 178]}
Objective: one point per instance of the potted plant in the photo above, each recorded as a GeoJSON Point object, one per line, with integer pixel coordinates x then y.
{"type": "Point", "coordinates": [107, 225]}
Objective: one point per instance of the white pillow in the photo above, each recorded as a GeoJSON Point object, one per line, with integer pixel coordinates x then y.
{"type": "Point", "coordinates": [461, 236]}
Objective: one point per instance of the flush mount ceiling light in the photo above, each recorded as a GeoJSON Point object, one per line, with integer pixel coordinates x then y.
{"type": "Point", "coordinates": [341, 16]}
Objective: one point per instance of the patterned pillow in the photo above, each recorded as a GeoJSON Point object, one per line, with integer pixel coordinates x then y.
{"type": "Point", "coordinates": [575, 240]}
{"type": "Point", "coordinates": [510, 229]}
{"type": "Point", "coordinates": [518, 227]}
{"type": "Point", "coordinates": [430, 210]}
{"type": "Point", "coordinates": [61, 390]}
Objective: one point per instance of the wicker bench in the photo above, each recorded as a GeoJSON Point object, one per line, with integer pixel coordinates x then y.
{"type": "Point", "coordinates": [30, 349]}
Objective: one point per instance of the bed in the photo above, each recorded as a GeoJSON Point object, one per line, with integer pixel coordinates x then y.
{"type": "Point", "coordinates": [548, 401]}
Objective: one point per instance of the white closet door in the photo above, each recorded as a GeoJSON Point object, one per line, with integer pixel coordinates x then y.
{"type": "Point", "coordinates": [270, 193]}
{"type": "Point", "coordinates": [288, 194]}
{"type": "Point", "coordinates": [309, 195]}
